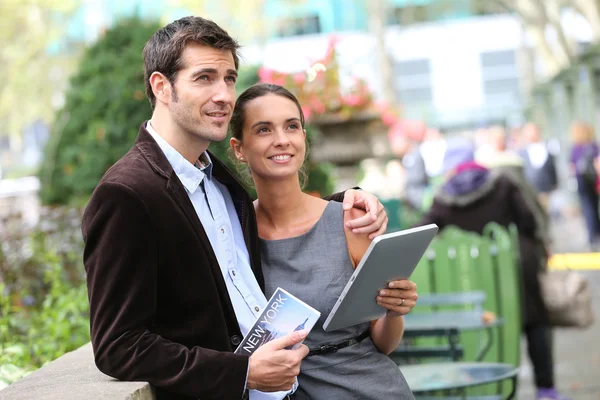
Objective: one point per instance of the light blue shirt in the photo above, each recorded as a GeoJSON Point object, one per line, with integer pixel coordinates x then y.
{"type": "Point", "coordinates": [216, 211]}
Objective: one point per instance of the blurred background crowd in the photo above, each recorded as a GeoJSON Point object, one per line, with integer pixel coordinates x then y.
{"type": "Point", "coordinates": [386, 86]}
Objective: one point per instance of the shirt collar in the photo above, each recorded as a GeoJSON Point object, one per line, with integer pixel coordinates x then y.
{"type": "Point", "coordinates": [190, 175]}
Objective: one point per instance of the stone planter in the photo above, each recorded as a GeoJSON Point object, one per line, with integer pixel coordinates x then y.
{"type": "Point", "coordinates": [347, 142]}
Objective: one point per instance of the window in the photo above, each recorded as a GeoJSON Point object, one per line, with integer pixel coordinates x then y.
{"type": "Point", "coordinates": [413, 86]}
{"type": "Point", "coordinates": [299, 26]}
{"type": "Point", "coordinates": [501, 85]}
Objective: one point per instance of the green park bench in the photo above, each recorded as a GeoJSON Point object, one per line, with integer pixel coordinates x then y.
{"type": "Point", "coordinates": [467, 273]}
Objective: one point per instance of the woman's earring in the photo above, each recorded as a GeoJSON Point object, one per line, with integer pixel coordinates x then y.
{"type": "Point", "coordinates": [242, 159]}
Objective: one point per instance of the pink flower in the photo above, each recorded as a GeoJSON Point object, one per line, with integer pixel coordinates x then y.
{"type": "Point", "coordinates": [307, 113]}
{"type": "Point", "coordinates": [381, 106]}
{"type": "Point", "coordinates": [319, 107]}
{"type": "Point", "coordinates": [278, 80]}
{"type": "Point", "coordinates": [389, 118]}
{"type": "Point", "coordinates": [299, 78]}
{"type": "Point", "coordinates": [265, 75]}
{"type": "Point", "coordinates": [395, 131]}
{"type": "Point", "coordinates": [353, 100]}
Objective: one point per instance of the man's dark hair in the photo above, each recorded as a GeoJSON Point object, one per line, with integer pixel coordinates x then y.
{"type": "Point", "coordinates": [162, 52]}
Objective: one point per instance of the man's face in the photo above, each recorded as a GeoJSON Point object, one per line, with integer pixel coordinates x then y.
{"type": "Point", "coordinates": [531, 134]}
{"type": "Point", "coordinates": [203, 94]}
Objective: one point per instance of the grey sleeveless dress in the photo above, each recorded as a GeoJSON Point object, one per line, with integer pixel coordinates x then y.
{"type": "Point", "coordinates": [315, 267]}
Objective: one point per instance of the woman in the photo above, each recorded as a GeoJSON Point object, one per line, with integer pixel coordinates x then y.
{"type": "Point", "coordinates": [307, 250]}
{"type": "Point", "coordinates": [471, 197]}
{"type": "Point", "coordinates": [584, 155]}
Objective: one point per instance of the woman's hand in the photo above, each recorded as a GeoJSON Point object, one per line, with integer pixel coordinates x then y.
{"type": "Point", "coordinates": [399, 297]}
{"type": "Point", "coordinates": [375, 221]}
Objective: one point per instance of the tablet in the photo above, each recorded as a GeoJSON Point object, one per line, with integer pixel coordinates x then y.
{"type": "Point", "coordinates": [390, 257]}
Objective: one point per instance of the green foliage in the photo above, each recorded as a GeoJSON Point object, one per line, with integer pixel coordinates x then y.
{"type": "Point", "coordinates": [43, 297]}
{"type": "Point", "coordinates": [104, 108]}
{"type": "Point", "coordinates": [320, 175]}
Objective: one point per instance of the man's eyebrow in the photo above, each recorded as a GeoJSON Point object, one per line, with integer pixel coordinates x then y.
{"type": "Point", "coordinates": [213, 71]}
{"type": "Point", "coordinates": [204, 71]}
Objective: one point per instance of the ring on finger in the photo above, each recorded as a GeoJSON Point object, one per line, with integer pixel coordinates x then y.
{"type": "Point", "coordinates": [402, 304]}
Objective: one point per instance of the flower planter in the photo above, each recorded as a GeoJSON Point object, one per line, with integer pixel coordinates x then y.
{"type": "Point", "coordinates": [346, 142]}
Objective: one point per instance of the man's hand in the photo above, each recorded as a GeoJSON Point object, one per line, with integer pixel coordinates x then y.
{"type": "Point", "coordinates": [399, 297]}
{"type": "Point", "coordinates": [374, 222]}
{"type": "Point", "coordinates": [273, 368]}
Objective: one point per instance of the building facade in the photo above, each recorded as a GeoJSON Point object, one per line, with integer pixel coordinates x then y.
{"type": "Point", "coordinates": [456, 63]}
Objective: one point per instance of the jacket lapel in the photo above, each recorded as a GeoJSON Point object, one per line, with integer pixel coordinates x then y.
{"type": "Point", "coordinates": [159, 163]}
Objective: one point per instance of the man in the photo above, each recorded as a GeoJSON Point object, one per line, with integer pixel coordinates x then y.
{"type": "Point", "coordinates": [171, 244]}
{"type": "Point", "coordinates": [539, 163]}
{"type": "Point", "coordinates": [498, 157]}
{"type": "Point", "coordinates": [406, 148]}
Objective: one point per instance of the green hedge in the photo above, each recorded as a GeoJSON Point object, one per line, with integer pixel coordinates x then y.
{"type": "Point", "coordinates": [43, 296]}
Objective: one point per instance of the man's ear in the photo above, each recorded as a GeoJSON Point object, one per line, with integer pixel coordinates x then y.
{"type": "Point", "coordinates": [161, 87]}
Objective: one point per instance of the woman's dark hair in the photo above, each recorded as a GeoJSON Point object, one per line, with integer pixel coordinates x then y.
{"type": "Point", "coordinates": [253, 92]}
{"type": "Point", "coordinates": [238, 119]}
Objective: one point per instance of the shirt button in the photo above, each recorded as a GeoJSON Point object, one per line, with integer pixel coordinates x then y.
{"type": "Point", "coordinates": [235, 340]}
{"type": "Point", "coordinates": [233, 272]}
{"type": "Point", "coordinates": [256, 309]}
{"type": "Point", "coordinates": [222, 230]}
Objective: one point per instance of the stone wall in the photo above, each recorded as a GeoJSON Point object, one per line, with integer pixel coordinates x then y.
{"type": "Point", "coordinates": [75, 376]}
{"type": "Point", "coordinates": [19, 200]}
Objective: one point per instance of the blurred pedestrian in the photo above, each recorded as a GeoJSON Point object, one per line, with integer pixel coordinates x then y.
{"type": "Point", "coordinates": [539, 163]}
{"type": "Point", "coordinates": [473, 196]}
{"type": "Point", "coordinates": [493, 151]}
{"type": "Point", "coordinates": [432, 150]}
{"type": "Point", "coordinates": [583, 165]}
{"type": "Point", "coordinates": [416, 179]}
{"type": "Point", "coordinates": [497, 157]}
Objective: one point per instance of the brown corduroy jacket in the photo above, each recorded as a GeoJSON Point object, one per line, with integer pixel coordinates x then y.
{"type": "Point", "coordinates": [159, 307]}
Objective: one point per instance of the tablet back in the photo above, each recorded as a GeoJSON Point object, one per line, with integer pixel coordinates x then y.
{"type": "Point", "coordinates": [390, 257]}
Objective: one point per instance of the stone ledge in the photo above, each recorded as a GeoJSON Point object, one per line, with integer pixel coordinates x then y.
{"type": "Point", "coordinates": [75, 376]}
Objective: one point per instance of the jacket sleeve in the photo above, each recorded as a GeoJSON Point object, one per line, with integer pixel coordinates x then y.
{"type": "Point", "coordinates": [339, 196]}
{"type": "Point", "coordinates": [121, 262]}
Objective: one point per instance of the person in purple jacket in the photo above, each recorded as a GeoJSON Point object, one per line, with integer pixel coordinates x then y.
{"type": "Point", "coordinates": [583, 161]}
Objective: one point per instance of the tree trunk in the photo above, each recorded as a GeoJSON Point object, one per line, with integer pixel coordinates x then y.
{"type": "Point", "coordinates": [377, 17]}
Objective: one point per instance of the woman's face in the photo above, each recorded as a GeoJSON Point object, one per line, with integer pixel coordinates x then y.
{"type": "Point", "coordinates": [273, 141]}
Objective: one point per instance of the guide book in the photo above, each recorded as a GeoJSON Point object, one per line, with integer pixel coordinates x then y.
{"type": "Point", "coordinates": [283, 314]}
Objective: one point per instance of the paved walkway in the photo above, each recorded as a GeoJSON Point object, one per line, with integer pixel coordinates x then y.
{"type": "Point", "coordinates": [576, 352]}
